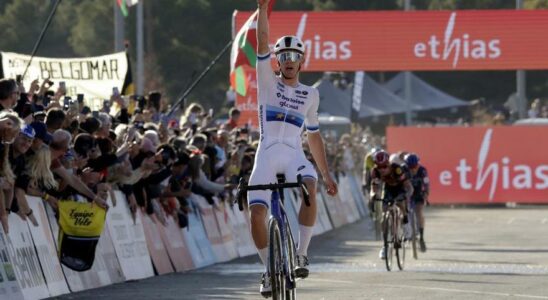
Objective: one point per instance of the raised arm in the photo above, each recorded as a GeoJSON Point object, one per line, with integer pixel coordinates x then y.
{"type": "Point", "coordinates": [262, 27]}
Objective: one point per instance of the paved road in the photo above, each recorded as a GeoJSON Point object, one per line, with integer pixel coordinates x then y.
{"type": "Point", "coordinates": [499, 253]}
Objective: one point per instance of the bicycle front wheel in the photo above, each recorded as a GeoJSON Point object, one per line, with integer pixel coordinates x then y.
{"type": "Point", "coordinates": [291, 282]}
{"type": "Point", "coordinates": [400, 248]}
{"type": "Point", "coordinates": [388, 240]}
{"type": "Point", "coordinates": [277, 277]}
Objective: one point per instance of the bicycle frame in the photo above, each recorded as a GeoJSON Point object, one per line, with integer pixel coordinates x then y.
{"type": "Point", "coordinates": [279, 222]}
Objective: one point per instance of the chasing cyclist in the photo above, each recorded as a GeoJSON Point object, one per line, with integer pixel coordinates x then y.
{"type": "Point", "coordinates": [285, 106]}
{"type": "Point", "coordinates": [421, 187]}
{"type": "Point", "coordinates": [395, 180]}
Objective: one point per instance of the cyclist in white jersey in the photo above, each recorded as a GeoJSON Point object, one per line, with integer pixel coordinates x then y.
{"type": "Point", "coordinates": [285, 107]}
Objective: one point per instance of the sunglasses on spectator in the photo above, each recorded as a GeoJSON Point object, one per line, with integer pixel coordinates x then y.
{"type": "Point", "coordinates": [289, 56]}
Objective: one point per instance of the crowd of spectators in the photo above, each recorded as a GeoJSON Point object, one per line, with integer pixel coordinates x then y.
{"type": "Point", "coordinates": [57, 148]}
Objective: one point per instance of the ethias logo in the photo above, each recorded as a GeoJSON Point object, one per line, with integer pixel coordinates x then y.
{"type": "Point", "coordinates": [457, 47]}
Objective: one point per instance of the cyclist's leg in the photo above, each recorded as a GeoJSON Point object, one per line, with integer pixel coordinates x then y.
{"type": "Point", "coordinates": [259, 202]}
{"type": "Point", "coordinates": [419, 214]}
{"type": "Point", "coordinates": [307, 214]}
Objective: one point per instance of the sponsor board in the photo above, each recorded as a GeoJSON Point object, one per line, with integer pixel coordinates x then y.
{"type": "Point", "coordinates": [480, 164]}
{"type": "Point", "coordinates": [415, 40]}
{"type": "Point", "coordinates": [156, 247]}
{"type": "Point", "coordinates": [24, 259]}
{"type": "Point", "coordinates": [128, 239]}
{"type": "Point", "coordinates": [45, 246]}
{"type": "Point", "coordinates": [9, 288]}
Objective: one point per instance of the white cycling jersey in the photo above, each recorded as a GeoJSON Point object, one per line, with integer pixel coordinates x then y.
{"type": "Point", "coordinates": [284, 110]}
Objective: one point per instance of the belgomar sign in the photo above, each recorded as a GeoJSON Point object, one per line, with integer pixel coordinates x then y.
{"type": "Point", "coordinates": [92, 76]}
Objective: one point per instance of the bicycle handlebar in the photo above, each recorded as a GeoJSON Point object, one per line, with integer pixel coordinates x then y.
{"type": "Point", "coordinates": [243, 187]}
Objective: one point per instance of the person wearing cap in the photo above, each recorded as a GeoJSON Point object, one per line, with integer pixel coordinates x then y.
{"type": "Point", "coordinates": [42, 135]}
{"type": "Point", "coordinates": [39, 116]}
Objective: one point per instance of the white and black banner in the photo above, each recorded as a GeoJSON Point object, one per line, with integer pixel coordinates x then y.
{"type": "Point", "coordinates": [92, 76]}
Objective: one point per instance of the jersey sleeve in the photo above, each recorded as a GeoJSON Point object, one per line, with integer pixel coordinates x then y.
{"type": "Point", "coordinates": [424, 175]}
{"type": "Point", "coordinates": [311, 121]}
{"type": "Point", "coordinates": [266, 79]}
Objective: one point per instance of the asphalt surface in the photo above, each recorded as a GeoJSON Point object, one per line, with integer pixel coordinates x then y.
{"type": "Point", "coordinates": [473, 253]}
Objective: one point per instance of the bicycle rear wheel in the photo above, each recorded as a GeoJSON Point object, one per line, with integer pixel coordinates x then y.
{"type": "Point", "coordinates": [388, 240]}
{"type": "Point", "coordinates": [275, 260]}
{"type": "Point", "coordinates": [291, 281]}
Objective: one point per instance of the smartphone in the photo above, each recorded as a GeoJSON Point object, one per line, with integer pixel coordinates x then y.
{"type": "Point", "coordinates": [66, 102]}
{"type": "Point", "coordinates": [210, 112]}
{"type": "Point", "coordinates": [115, 91]}
{"type": "Point", "coordinates": [106, 105]}
{"type": "Point", "coordinates": [63, 85]}
{"type": "Point", "coordinates": [80, 98]}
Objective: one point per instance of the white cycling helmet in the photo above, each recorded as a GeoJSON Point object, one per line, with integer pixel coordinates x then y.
{"type": "Point", "coordinates": [289, 42]}
{"type": "Point", "coordinates": [395, 159]}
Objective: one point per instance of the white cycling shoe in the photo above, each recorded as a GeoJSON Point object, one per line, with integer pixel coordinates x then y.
{"type": "Point", "coordinates": [382, 253]}
{"type": "Point", "coordinates": [301, 271]}
{"type": "Point", "coordinates": [265, 288]}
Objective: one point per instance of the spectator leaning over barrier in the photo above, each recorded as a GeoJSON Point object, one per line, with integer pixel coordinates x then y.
{"type": "Point", "coordinates": [59, 146]}
{"type": "Point", "coordinates": [19, 166]}
{"type": "Point", "coordinates": [10, 125]}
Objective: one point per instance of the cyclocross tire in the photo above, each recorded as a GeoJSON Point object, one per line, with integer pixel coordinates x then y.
{"type": "Point", "coordinates": [275, 261]}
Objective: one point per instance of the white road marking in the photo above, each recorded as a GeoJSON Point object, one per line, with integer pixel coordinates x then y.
{"type": "Point", "coordinates": [329, 280]}
{"type": "Point", "coordinates": [544, 221]}
{"type": "Point", "coordinates": [478, 220]}
{"type": "Point", "coordinates": [511, 220]}
{"type": "Point", "coordinates": [462, 291]}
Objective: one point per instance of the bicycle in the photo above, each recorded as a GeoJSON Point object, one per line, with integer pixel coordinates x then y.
{"type": "Point", "coordinates": [281, 245]}
{"type": "Point", "coordinates": [393, 235]}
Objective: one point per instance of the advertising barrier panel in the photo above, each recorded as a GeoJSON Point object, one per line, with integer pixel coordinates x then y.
{"type": "Point", "coordinates": [173, 241]}
{"type": "Point", "coordinates": [156, 247]}
{"type": "Point", "coordinates": [415, 40]}
{"type": "Point", "coordinates": [128, 238]}
{"type": "Point", "coordinates": [225, 229]}
{"type": "Point", "coordinates": [196, 235]}
{"type": "Point", "coordinates": [9, 288]}
{"type": "Point", "coordinates": [42, 238]}
{"type": "Point", "coordinates": [240, 229]}
{"type": "Point", "coordinates": [480, 164]}
{"type": "Point", "coordinates": [25, 260]}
